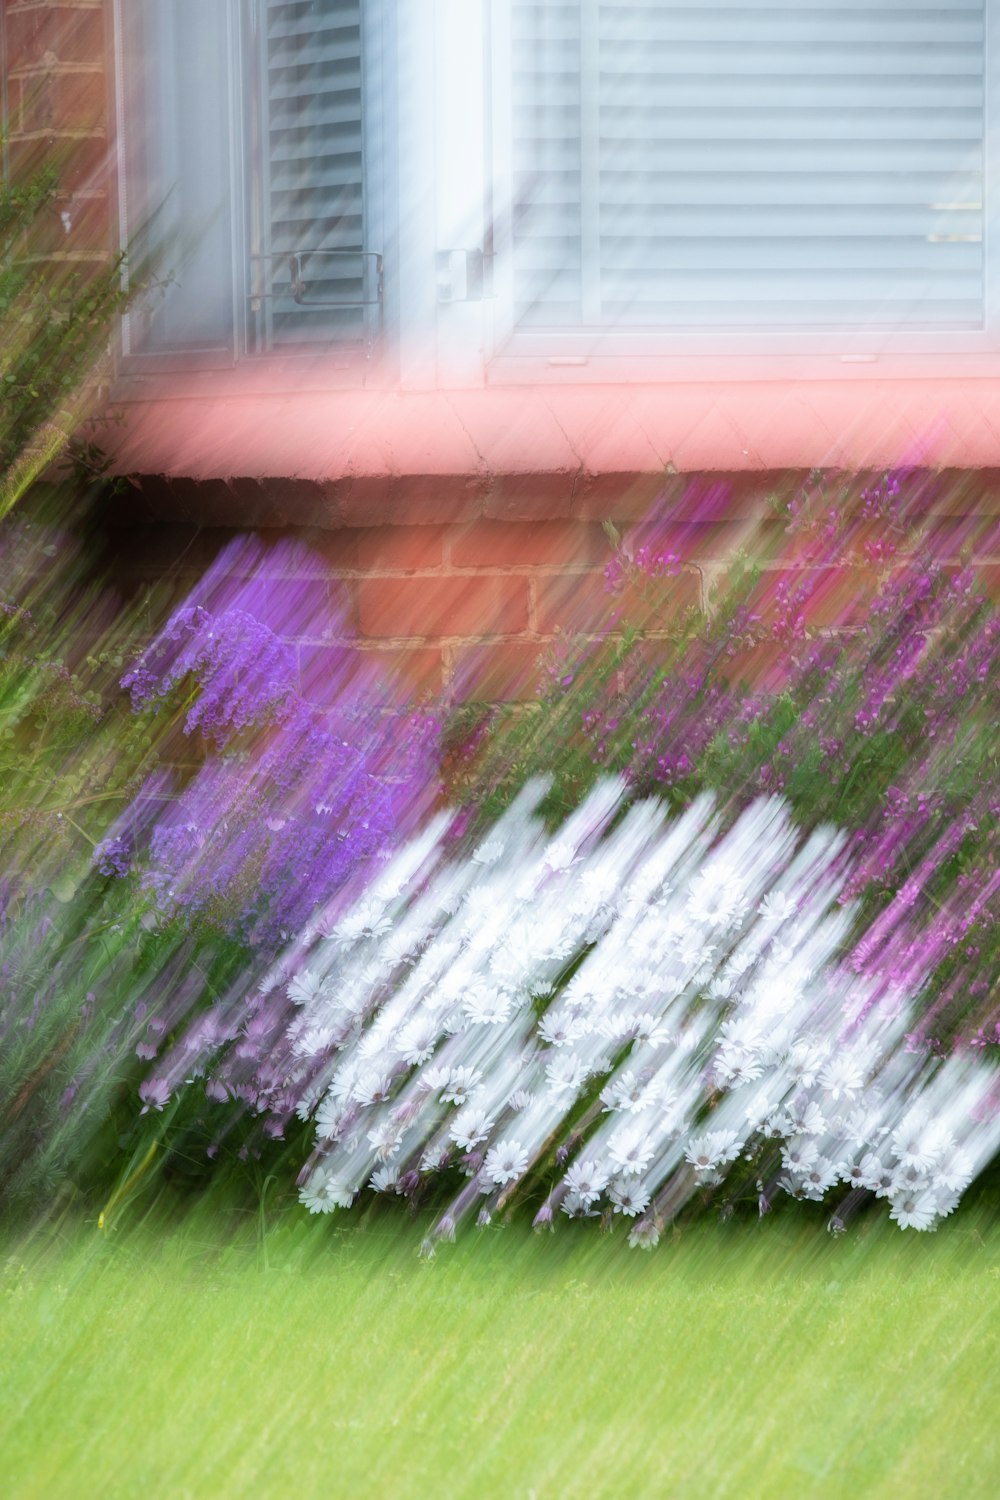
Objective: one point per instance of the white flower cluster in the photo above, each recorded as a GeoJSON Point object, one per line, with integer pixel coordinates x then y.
{"type": "Point", "coordinates": [632, 1007]}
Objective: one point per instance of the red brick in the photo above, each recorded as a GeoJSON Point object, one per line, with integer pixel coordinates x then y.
{"type": "Point", "coordinates": [72, 33]}
{"type": "Point", "coordinates": [335, 552]}
{"type": "Point", "coordinates": [724, 496]}
{"type": "Point", "coordinates": [544, 496]}
{"type": "Point", "coordinates": [410, 674]}
{"type": "Point", "coordinates": [336, 676]}
{"type": "Point", "coordinates": [617, 497]}
{"type": "Point", "coordinates": [412, 499]}
{"type": "Point", "coordinates": [62, 100]}
{"type": "Point", "coordinates": [763, 668]}
{"type": "Point", "coordinates": [839, 595]}
{"type": "Point", "coordinates": [492, 544]}
{"type": "Point", "coordinates": [80, 162]}
{"type": "Point", "coordinates": [951, 536]}
{"type": "Point", "coordinates": [988, 580]}
{"type": "Point", "coordinates": [711, 542]}
{"type": "Point", "coordinates": [400, 549]}
{"type": "Point", "coordinates": [582, 602]}
{"type": "Point", "coordinates": [504, 673]}
{"type": "Point", "coordinates": [288, 502]}
{"type": "Point", "coordinates": [89, 226]}
{"type": "Point", "coordinates": [966, 492]}
{"type": "Point", "coordinates": [314, 608]}
{"type": "Point", "coordinates": [442, 606]}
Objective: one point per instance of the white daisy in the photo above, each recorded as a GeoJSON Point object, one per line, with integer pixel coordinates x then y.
{"type": "Point", "coordinates": [385, 1180]}
{"type": "Point", "coordinates": [505, 1162]}
{"type": "Point", "coordinates": [819, 1177]}
{"type": "Point", "coordinates": [630, 1152]}
{"type": "Point", "coordinates": [914, 1210]}
{"type": "Point", "coordinates": [914, 1147]}
{"type": "Point", "coordinates": [560, 856]}
{"type": "Point", "coordinates": [305, 987]}
{"type": "Point", "coordinates": [644, 1236]}
{"type": "Point", "coordinates": [806, 1117]}
{"type": "Point", "coordinates": [628, 1197]}
{"type": "Point", "coordinates": [372, 1088]}
{"type": "Point", "coordinates": [469, 1127]}
{"type": "Point", "coordinates": [587, 1179]}
{"type": "Point", "coordinates": [322, 1194]}
{"type": "Point", "coordinates": [576, 1207]}
{"type": "Point", "coordinates": [716, 896]}
{"type": "Point", "coordinates": [489, 852]}
{"type": "Point", "coordinates": [329, 1116]}
{"type": "Point", "coordinates": [733, 1068]}
{"type": "Point", "coordinates": [598, 888]}
{"type": "Point", "coordinates": [565, 1073]}
{"type": "Point", "coordinates": [435, 1159]}
{"type": "Point", "coordinates": [804, 1059]}
{"type": "Point", "coordinates": [559, 1029]}
{"type": "Point", "coordinates": [416, 1039]}
{"type": "Point", "coordinates": [431, 1079]}
{"type": "Point", "coordinates": [651, 1030]}
{"type": "Point", "coordinates": [777, 907]}
{"type": "Point", "coordinates": [629, 1092]}
{"type": "Point", "coordinates": [385, 1139]}
{"type": "Point", "coordinates": [877, 1177]}
{"type": "Point", "coordinates": [799, 1153]}
{"type": "Point", "coordinates": [486, 1005]}
{"type": "Point", "coordinates": [843, 1076]}
{"type": "Point", "coordinates": [954, 1171]}
{"type": "Point", "coordinates": [853, 1173]}
{"type": "Point", "coordinates": [711, 1150]}
{"type": "Point", "coordinates": [945, 1201]}
{"type": "Point", "coordinates": [460, 1086]}
{"type": "Point", "coordinates": [907, 1177]}
{"type": "Point", "coordinates": [366, 920]}
{"type": "Point", "coordinates": [397, 947]}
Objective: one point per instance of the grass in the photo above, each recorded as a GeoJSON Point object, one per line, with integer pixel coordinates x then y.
{"type": "Point", "coordinates": [736, 1360]}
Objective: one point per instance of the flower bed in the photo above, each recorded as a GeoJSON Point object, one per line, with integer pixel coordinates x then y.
{"type": "Point", "coordinates": [229, 971]}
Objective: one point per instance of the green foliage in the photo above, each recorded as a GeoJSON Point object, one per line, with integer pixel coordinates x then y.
{"type": "Point", "coordinates": [55, 327]}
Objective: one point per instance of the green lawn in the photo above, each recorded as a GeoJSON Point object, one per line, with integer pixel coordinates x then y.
{"type": "Point", "coordinates": [734, 1361]}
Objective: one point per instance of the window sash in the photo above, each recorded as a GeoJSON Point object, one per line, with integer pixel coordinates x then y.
{"type": "Point", "coordinates": [262, 271]}
{"type": "Point", "coordinates": [584, 118]}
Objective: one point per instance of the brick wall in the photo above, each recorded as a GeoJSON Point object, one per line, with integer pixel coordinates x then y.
{"type": "Point", "coordinates": [57, 116]}
{"type": "Point", "coordinates": [465, 609]}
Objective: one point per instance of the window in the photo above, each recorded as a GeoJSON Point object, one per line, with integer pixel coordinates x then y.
{"type": "Point", "coordinates": [692, 175]}
{"type": "Point", "coordinates": [476, 189]}
{"type": "Point", "coordinates": [247, 178]}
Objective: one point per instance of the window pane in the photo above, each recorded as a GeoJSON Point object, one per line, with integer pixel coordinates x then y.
{"type": "Point", "coordinates": [177, 178]}
{"type": "Point", "coordinates": [711, 165]}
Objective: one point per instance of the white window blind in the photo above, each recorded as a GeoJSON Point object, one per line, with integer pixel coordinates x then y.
{"type": "Point", "coordinates": [308, 204]}
{"type": "Point", "coordinates": [709, 166]}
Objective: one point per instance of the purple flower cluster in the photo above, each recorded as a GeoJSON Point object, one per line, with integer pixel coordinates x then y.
{"type": "Point", "coordinates": [295, 801]}
{"type": "Point", "coordinates": [244, 672]}
{"type": "Point", "coordinates": [290, 811]}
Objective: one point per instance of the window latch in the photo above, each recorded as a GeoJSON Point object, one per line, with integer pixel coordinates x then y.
{"type": "Point", "coordinates": [297, 286]}
{"type": "Point", "coordinates": [463, 275]}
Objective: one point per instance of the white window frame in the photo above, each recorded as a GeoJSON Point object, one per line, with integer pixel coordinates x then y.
{"type": "Point", "coordinates": [145, 372]}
